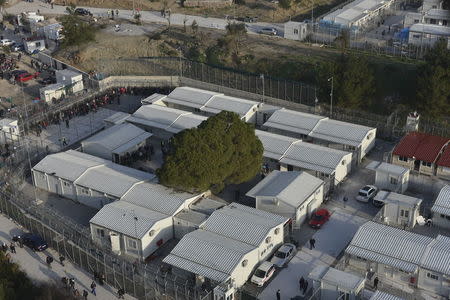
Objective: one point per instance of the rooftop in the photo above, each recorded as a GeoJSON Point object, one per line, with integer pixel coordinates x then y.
{"type": "Point", "coordinates": [442, 203]}
{"type": "Point", "coordinates": [243, 223]}
{"type": "Point", "coordinates": [117, 118]}
{"type": "Point", "coordinates": [343, 280]}
{"type": "Point", "coordinates": [390, 197]}
{"type": "Point", "coordinates": [292, 187]}
{"type": "Point", "coordinates": [384, 296]}
{"type": "Point", "coordinates": [192, 216]}
{"type": "Point", "coordinates": [190, 96]}
{"type": "Point", "coordinates": [444, 160]}
{"type": "Point", "coordinates": [422, 146]}
{"type": "Point", "coordinates": [379, 166]}
{"type": "Point", "coordinates": [430, 29]}
{"type": "Point", "coordinates": [118, 135]}
{"type": "Point", "coordinates": [294, 121]}
{"type": "Point", "coordinates": [275, 145]}
{"type": "Point", "coordinates": [153, 98]}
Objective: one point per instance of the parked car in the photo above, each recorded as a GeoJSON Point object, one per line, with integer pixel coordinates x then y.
{"type": "Point", "coordinates": [34, 241]}
{"type": "Point", "coordinates": [263, 273]}
{"type": "Point", "coordinates": [367, 193]}
{"type": "Point", "coordinates": [82, 12]}
{"type": "Point", "coordinates": [268, 31]}
{"type": "Point", "coordinates": [17, 47]}
{"type": "Point", "coordinates": [24, 77]}
{"type": "Point", "coordinates": [6, 42]}
{"type": "Point", "coordinates": [283, 255]}
{"type": "Point", "coordinates": [319, 217]}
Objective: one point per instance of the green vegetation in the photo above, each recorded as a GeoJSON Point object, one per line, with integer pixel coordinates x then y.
{"type": "Point", "coordinates": [229, 46]}
{"type": "Point", "coordinates": [433, 83]}
{"type": "Point", "coordinates": [285, 4]}
{"type": "Point", "coordinates": [222, 150]}
{"type": "Point", "coordinates": [76, 32]}
{"type": "Point", "coordinates": [16, 285]}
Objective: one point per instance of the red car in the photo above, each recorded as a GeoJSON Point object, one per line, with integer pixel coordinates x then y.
{"type": "Point", "coordinates": [319, 217]}
{"type": "Point", "coordinates": [23, 77]}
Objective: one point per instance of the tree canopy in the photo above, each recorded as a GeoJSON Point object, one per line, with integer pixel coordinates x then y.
{"type": "Point", "coordinates": [75, 30]}
{"type": "Point", "coordinates": [433, 88]}
{"type": "Point", "coordinates": [222, 150]}
{"type": "Point", "coordinates": [353, 82]}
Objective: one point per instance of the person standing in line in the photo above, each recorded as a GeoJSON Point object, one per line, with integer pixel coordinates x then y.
{"type": "Point", "coordinates": [64, 282]}
{"type": "Point", "coordinates": [72, 283]}
{"type": "Point", "coordinates": [12, 247]}
{"type": "Point", "coordinates": [67, 123]}
{"type": "Point", "coordinates": [49, 261]}
{"type": "Point", "coordinates": [93, 286]}
{"type": "Point", "coordinates": [375, 283]}
{"type": "Point", "coordinates": [121, 293]}
{"type": "Point", "coordinates": [61, 260]}
{"type": "Point", "coordinates": [312, 244]}
{"type": "Point", "coordinates": [85, 294]}
{"type": "Point", "coordinates": [302, 283]}
{"type": "Point", "coordinates": [305, 288]}
{"type": "Point", "coordinates": [278, 295]}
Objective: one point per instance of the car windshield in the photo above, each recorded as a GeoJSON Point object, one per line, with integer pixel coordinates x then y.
{"type": "Point", "coordinates": [366, 188]}
{"type": "Point", "coordinates": [280, 254]}
{"type": "Point", "coordinates": [260, 273]}
{"type": "Point", "coordinates": [364, 194]}
{"type": "Point", "coordinates": [317, 217]}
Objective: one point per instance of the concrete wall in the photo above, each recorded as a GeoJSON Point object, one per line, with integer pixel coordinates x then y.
{"type": "Point", "coordinates": [343, 168]}
{"type": "Point", "coordinates": [443, 172]}
{"type": "Point", "coordinates": [242, 273]}
{"type": "Point", "coordinates": [40, 180]}
{"type": "Point", "coordinates": [383, 181]}
{"type": "Point", "coordinates": [270, 243]}
{"type": "Point", "coordinates": [368, 143]}
{"type": "Point", "coordinates": [138, 81]}
{"type": "Point", "coordinates": [271, 204]}
{"type": "Point", "coordinates": [439, 286]}
{"type": "Point", "coordinates": [163, 230]}
{"type": "Point", "coordinates": [392, 213]}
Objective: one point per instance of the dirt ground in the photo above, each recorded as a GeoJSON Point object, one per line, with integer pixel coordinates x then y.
{"type": "Point", "coordinates": [265, 10]}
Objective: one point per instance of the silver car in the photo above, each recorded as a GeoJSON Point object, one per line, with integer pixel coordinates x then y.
{"type": "Point", "coordinates": [283, 255]}
{"type": "Point", "coordinates": [367, 193]}
{"type": "Point", "coordinates": [268, 31]}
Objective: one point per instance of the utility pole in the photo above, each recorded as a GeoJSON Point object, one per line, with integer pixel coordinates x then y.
{"type": "Point", "coordinates": [263, 90]}
{"type": "Point", "coordinates": [331, 95]}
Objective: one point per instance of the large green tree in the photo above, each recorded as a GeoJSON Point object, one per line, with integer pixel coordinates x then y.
{"type": "Point", "coordinates": [433, 83]}
{"type": "Point", "coordinates": [222, 150]}
{"type": "Point", "coordinates": [353, 82]}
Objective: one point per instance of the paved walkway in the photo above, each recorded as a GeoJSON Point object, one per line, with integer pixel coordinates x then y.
{"type": "Point", "coordinates": [146, 16]}
{"type": "Point", "coordinates": [33, 263]}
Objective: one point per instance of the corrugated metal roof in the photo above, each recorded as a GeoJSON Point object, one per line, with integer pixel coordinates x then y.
{"type": "Point", "coordinates": [384, 296]}
{"type": "Point", "coordinates": [156, 116]}
{"type": "Point", "coordinates": [119, 216]}
{"type": "Point", "coordinates": [186, 121]}
{"type": "Point", "coordinates": [112, 179]}
{"type": "Point", "coordinates": [293, 121]}
{"type": "Point", "coordinates": [442, 203]}
{"type": "Point", "coordinates": [68, 165]}
{"type": "Point", "coordinates": [389, 245]}
{"type": "Point", "coordinates": [238, 105]}
{"type": "Point", "coordinates": [340, 132]}
{"type": "Point", "coordinates": [133, 142]}
{"type": "Point", "coordinates": [118, 135]}
{"type": "Point", "coordinates": [437, 256]}
{"type": "Point", "coordinates": [387, 168]}
{"type": "Point", "coordinates": [191, 97]}
{"type": "Point", "coordinates": [444, 160]}
{"type": "Point", "coordinates": [292, 188]}
{"type": "Point", "coordinates": [391, 197]}
{"type": "Point", "coordinates": [153, 98]}
{"type": "Point", "coordinates": [422, 146]}
{"type": "Point", "coordinates": [343, 279]}
{"type": "Point", "coordinates": [313, 157]}
{"type": "Point", "coordinates": [208, 254]}
{"type": "Point", "coordinates": [117, 118]}
{"type": "Point", "coordinates": [156, 197]}
{"type": "Point", "coordinates": [275, 145]}
{"type": "Point", "coordinates": [243, 223]}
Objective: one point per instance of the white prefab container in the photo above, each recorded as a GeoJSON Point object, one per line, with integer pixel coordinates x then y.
{"type": "Point", "coordinates": [33, 46]}
{"type": "Point", "coordinates": [9, 131]}
{"type": "Point", "coordinates": [295, 30]}
{"type": "Point", "coordinates": [68, 76]}
{"type": "Point", "coordinates": [51, 91]}
{"type": "Point", "coordinates": [53, 31]}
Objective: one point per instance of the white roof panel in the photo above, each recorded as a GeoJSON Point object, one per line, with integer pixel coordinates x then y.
{"type": "Point", "coordinates": [384, 296]}
{"type": "Point", "coordinates": [243, 223]}
{"type": "Point", "coordinates": [437, 256]}
{"type": "Point", "coordinates": [127, 218]}
{"type": "Point", "coordinates": [133, 142]}
{"type": "Point", "coordinates": [275, 145]}
{"type": "Point", "coordinates": [442, 203]}
{"type": "Point", "coordinates": [293, 121]}
{"type": "Point", "coordinates": [153, 98]}
{"type": "Point", "coordinates": [68, 165]}
{"type": "Point", "coordinates": [186, 121]}
{"type": "Point", "coordinates": [117, 118]}
{"type": "Point", "coordinates": [156, 116]}
{"type": "Point", "coordinates": [292, 188]}
{"type": "Point", "coordinates": [343, 279]}
{"type": "Point", "coordinates": [208, 254]}
{"type": "Point", "coordinates": [156, 197]}
{"type": "Point", "coordinates": [340, 132]}
{"type": "Point", "coordinates": [112, 179]}
{"type": "Point", "coordinates": [391, 197]}
{"type": "Point", "coordinates": [237, 105]}
{"type": "Point", "coordinates": [118, 135]}
{"type": "Point", "coordinates": [387, 168]}
{"type": "Point", "coordinates": [191, 97]}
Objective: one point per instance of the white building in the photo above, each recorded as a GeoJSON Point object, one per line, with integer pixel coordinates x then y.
{"type": "Point", "coordinates": [402, 258]}
{"type": "Point", "coordinates": [295, 195]}
{"type": "Point", "coordinates": [335, 284]}
{"type": "Point", "coordinates": [87, 179]}
{"type": "Point", "coordinates": [207, 103]}
{"type": "Point", "coordinates": [295, 30]}
{"type": "Point", "coordinates": [164, 122]}
{"type": "Point", "coordinates": [428, 34]}
{"type": "Point", "coordinates": [71, 79]}
{"type": "Point", "coordinates": [441, 208]}
{"type": "Point", "coordinates": [322, 130]}
{"type": "Point", "coordinates": [294, 155]}
{"type": "Point", "coordinates": [229, 245]}
{"type": "Point", "coordinates": [30, 17]}
{"type": "Point", "coordinates": [52, 91]}
{"type": "Point", "coordinates": [9, 131]}
{"type": "Point", "coordinates": [115, 119]}
{"type": "Point", "coordinates": [116, 141]}
{"type": "Point", "coordinates": [398, 209]}
{"type": "Point", "coordinates": [390, 177]}
{"type": "Point", "coordinates": [439, 17]}
{"type": "Point", "coordinates": [359, 13]}
{"type": "Point", "coordinates": [142, 220]}
{"type": "Point", "coordinates": [430, 4]}
{"type": "Point", "coordinates": [34, 44]}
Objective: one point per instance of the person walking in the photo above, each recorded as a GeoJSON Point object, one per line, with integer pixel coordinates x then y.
{"type": "Point", "coordinates": [61, 260]}
{"type": "Point", "coordinates": [302, 283]}
{"type": "Point", "coordinates": [375, 283]}
{"type": "Point", "coordinates": [20, 241]}
{"type": "Point", "coordinates": [72, 283]}
{"type": "Point", "coordinates": [117, 12]}
{"type": "Point", "coordinates": [67, 123]}
{"type": "Point", "coordinates": [12, 247]}
{"type": "Point", "coordinates": [64, 282]}
{"type": "Point", "coordinates": [121, 293]}
{"type": "Point", "coordinates": [93, 286]}
{"type": "Point", "coordinates": [312, 244]}
{"type": "Point", "coordinates": [278, 294]}
{"type": "Point", "coordinates": [85, 294]}
{"type": "Point", "coordinates": [49, 261]}
{"type": "Point", "coordinates": [305, 287]}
